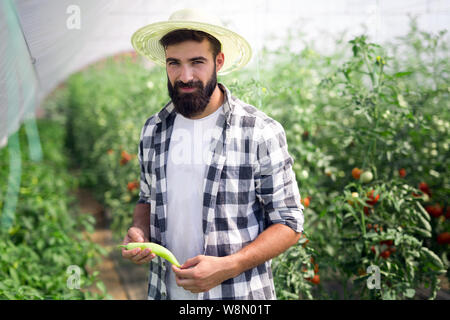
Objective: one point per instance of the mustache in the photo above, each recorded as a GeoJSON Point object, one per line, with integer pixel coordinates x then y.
{"type": "Point", "coordinates": [190, 84]}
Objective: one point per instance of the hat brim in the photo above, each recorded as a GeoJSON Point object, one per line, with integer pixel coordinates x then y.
{"type": "Point", "coordinates": [236, 49]}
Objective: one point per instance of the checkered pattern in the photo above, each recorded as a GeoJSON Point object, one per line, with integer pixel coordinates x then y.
{"type": "Point", "coordinates": [249, 185]}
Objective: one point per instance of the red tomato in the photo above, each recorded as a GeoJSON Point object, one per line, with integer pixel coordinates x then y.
{"type": "Point", "coordinates": [385, 254]}
{"type": "Point", "coordinates": [372, 200]}
{"type": "Point", "coordinates": [444, 238]}
{"type": "Point", "coordinates": [356, 173]}
{"type": "Point", "coordinates": [305, 201]}
{"type": "Point", "coordinates": [125, 157]}
{"type": "Point", "coordinates": [132, 185]}
{"type": "Point", "coordinates": [423, 186]}
{"type": "Point", "coordinates": [315, 279]}
{"type": "Point", "coordinates": [402, 172]}
{"type": "Point", "coordinates": [387, 242]}
{"type": "Point", "coordinates": [434, 210]}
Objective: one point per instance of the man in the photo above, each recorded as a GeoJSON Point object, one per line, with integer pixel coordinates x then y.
{"type": "Point", "coordinates": [217, 185]}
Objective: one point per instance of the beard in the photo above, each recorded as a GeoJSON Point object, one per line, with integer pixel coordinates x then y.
{"type": "Point", "coordinates": [193, 103]}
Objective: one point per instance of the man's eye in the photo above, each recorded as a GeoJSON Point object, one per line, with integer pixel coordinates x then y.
{"type": "Point", "coordinates": [173, 63]}
{"type": "Point", "coordinates": [197, 61]}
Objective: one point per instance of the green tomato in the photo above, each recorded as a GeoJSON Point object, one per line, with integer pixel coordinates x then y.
{"type": "Point", "coordinates": [155, 248]}
{"type": "Point", "coordinates": [366, 177]}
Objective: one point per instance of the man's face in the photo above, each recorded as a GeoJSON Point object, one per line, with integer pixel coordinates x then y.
{"type": "Point", "coordinates": [191, 72]}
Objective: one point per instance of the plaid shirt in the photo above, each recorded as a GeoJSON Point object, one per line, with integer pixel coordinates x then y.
{"type": "Point", "coordinates": [249, 184]}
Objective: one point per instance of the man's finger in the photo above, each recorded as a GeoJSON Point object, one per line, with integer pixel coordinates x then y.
{"type": "Point", "coordinates": [141, 255]}
{"type": "Point", "coordinates": [183, 273]}
{"type": "Point", "coordinates": [186, 283]}
{"type": "Point", "coordinates": [146, 259]}
{"type": "Point", "coordinates": [129, 254]}
{"type": "Point", "coordinates": [189, 285]}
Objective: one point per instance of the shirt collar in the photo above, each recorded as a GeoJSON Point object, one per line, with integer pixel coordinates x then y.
{"type": "Point", "coordinates": [228, 107]}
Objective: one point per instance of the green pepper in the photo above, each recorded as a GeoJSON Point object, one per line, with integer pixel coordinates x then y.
{"type": "Point", "coordinates": [155, 248]}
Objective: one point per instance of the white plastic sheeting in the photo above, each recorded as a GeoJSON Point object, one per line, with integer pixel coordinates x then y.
{"type": "Point", "coordinates": [44, 41]}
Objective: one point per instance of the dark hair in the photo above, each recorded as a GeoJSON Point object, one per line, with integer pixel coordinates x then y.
{"type": "Point", "coordinates": [181, 35]}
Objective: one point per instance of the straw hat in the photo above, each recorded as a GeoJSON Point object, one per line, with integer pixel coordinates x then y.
{"type": "Point", "coordinates": [236, 49]}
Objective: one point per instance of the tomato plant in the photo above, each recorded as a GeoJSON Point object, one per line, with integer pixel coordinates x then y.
{"type": "Point", "coordinates": [47, 235]}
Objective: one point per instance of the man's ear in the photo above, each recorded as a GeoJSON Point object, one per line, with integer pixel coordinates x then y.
{"type": "Point", "coordinates": [220, 60]}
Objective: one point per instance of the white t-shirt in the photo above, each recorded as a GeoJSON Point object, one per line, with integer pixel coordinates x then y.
{"type": "Point", "coordinates": [188, 150]}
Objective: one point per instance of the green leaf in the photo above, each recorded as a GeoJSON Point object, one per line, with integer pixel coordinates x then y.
{"type": "Point", "coordinates": [339, 220]}
{"type": "Point", "coordinates": [402, 74]}
{"type": "Point", "coordinates": [14, 276]}
{"type": "Point", "coordinates": [289, 295]}
{"type": "Point", "coordinates": [432, 257]}
{"type": "Point", "coordinates": [409, 293]}
{"type": "Point", "coordinates": [101, 286]}
{"type": "Point", "coordinates": [422, 232]}
{"type": "Point", "coordinates": [423, 212]}
{"type": "Point", "coordinates": [424, 223]}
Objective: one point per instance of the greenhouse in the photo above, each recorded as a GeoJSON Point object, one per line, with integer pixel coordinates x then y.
{"type": "Point", "coordinates": [308, 142]}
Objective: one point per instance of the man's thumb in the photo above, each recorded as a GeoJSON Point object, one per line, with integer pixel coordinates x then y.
{"type": "Point", "coordinates": [191, 262]}
{"type": "Point", "coordinates": [136, 235]}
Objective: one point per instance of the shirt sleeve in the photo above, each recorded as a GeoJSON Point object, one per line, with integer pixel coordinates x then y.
{"type": "Point", "coordinates": [144, 190]}
{"type": "Point", "coordinates": [275, 183]}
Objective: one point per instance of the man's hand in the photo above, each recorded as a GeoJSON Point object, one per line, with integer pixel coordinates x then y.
{"type": "Point", "coordinates": [138, 256]}
{"type": "Point", "coordinates": [202, 273]}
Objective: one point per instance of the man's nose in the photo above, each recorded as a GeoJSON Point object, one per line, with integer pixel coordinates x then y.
{"type": "Point", "coordinates": [186, 74]}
